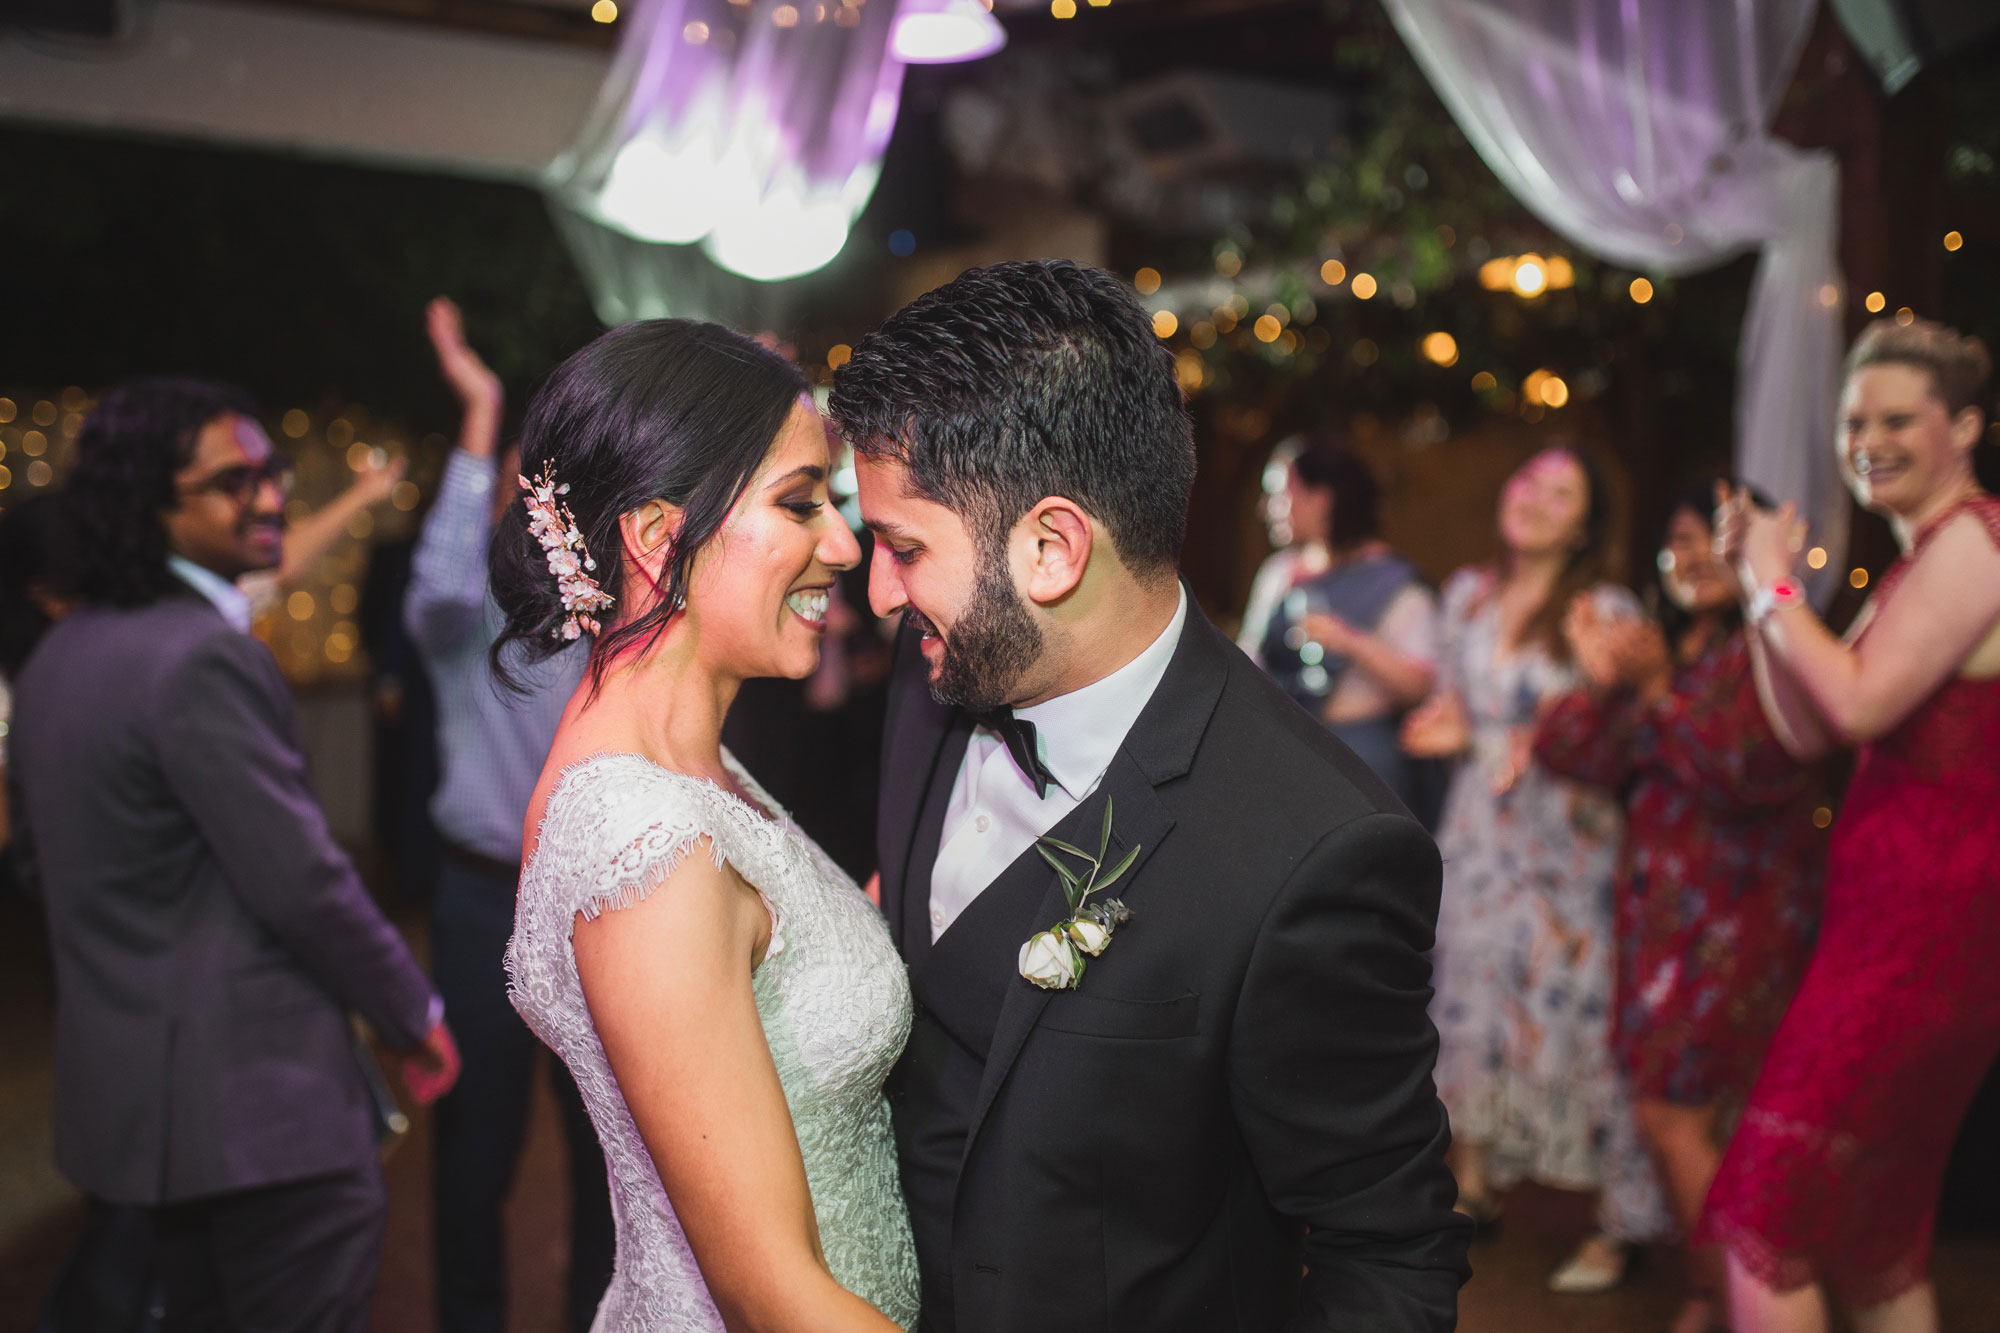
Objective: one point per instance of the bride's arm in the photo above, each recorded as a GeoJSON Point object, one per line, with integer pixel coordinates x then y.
{"type": "Point", "coordinates": [668, 984]}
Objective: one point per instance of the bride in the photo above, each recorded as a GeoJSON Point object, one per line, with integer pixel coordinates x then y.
{"type": "Point", "coordinates": [728, 1001]}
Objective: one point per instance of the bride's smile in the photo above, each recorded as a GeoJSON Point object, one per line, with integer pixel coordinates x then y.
{"type": "Point", "coordinates": [759, 595]}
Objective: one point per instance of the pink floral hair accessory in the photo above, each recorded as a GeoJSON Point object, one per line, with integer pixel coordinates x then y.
{"type": "Point", "coordinates": [555, 528]}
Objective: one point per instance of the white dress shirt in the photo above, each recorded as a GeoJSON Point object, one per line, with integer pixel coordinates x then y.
{"type": "Point", "coordinates": [994, 814]}
{"type": "Point", "coordinates": [229, 599]}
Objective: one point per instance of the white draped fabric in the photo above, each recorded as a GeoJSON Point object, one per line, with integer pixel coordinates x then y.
{"type": "Point", "coordinates": [1640, 131]}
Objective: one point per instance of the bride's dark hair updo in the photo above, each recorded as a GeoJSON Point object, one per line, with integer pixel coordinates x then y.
{"type": "Point", "coordinates": [666, 409]}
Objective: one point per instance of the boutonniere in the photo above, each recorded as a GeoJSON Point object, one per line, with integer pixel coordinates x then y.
{"type": "Point", "coordinates": [1054, 958]}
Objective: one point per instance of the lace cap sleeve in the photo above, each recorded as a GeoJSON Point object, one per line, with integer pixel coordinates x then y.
{"type": "Point", "coordinates": [619, 826]}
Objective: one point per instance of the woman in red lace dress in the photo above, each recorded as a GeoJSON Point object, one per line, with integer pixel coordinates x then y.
{"type": "Point", "coordinates": [1831, 1182]}
{"type": "Point", "coordinates": [1718, 888]}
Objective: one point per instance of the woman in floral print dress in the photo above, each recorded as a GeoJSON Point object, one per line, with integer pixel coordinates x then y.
{"type": "Point", "coordinates": [1523, 962]}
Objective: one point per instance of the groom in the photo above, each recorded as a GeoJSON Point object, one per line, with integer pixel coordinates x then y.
{"type": "Point", "coordinates": [1238, 1087]}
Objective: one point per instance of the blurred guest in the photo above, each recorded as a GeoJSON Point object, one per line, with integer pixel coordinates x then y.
{"type": "Point", "coordinates": [1297, 515]}
{"type": "Point", "coordinates": [308, 540]}
{"type": "Point", "coordinates": [209, 936]}
{"type": "Point", "coordinates": [1524, 944]}
{"type": "Point", "coordinates": [1354, 644]}
{"type": "Point", "coordinates": [492, 743]}
{"type": "Point", "coordinates": [1831, 1183]}
{"type": "Point", "coordinates": [1718, 884]}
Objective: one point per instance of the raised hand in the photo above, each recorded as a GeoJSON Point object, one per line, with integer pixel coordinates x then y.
{"type": "Point", "coordinates": [468, 375]}
{"type": "Point", "coordinates": [1772, 540]}
{"type": "Point", "coordinates": [374, 480]}
{"type": "Point", "coordinates": [1639, 655]}
{"type": "Point", "coordinates": [1590, 642]}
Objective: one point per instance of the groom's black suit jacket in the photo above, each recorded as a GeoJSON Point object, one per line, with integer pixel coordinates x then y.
{"type": "Point", "coordinates": [1240, 1088]}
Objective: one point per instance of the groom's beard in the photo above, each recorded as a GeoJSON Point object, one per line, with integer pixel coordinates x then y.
{"type": "Point", "coordinates": [991, 646]}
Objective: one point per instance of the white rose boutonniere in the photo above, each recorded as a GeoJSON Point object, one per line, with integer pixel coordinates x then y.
{"type": "Point", "coordinates": [1054, 959]}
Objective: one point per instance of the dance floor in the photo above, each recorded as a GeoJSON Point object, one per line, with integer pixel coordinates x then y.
{"type": "Point", "coordinates": [39, 1215]}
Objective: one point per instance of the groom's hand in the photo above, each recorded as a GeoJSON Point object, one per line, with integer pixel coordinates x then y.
{"type": "Point", "coordinates": [873, 888]}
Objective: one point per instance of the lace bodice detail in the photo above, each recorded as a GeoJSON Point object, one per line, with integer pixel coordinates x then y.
{"type": "Point", "coordinates": [831, 992]}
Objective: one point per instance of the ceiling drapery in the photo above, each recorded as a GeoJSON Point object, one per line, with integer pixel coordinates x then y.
{"type": "Point", "coordinates": [1640, 131]}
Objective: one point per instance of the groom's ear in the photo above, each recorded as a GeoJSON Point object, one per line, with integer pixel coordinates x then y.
{"type": "Point", "coordinates": [647, 534]}
{"type": "Point", "coordinates": [1053, 541]}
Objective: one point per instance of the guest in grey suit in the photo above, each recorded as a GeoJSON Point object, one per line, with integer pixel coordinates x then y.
{"type": "Point", "coordinates": [210, 939]}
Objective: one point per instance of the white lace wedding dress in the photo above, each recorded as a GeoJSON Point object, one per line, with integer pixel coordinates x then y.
{"type": "Point", "coordinates": [831, 991]}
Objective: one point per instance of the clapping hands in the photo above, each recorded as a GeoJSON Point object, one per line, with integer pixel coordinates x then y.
{"type": "Point", "coordinates": [1760, 545]}
{"type": "Point", "coordinates": [1617, 652]}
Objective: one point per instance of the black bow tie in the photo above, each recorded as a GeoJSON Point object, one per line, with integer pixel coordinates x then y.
{"type": "Point", "coordinates": [1019, 734]}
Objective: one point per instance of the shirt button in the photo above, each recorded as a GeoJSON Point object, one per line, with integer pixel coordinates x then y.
{"type": "Point", "coordinates": [982, 823]}
{"type": "Point", "coordinates": [937, 917]}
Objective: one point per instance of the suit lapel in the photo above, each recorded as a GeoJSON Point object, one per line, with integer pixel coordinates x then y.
{"type": "Point", "coordinates": [1159, 749]}
{"type": "Point", "coordinates": [1138, 820]}
{"type": "Point", "coordinates": [922, 742]}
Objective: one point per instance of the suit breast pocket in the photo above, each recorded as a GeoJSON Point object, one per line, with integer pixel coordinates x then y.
{"type": "Point", "coordinates": [1085, 1015]}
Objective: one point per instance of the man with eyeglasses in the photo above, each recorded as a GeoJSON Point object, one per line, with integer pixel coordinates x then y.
{"type": "Point", "coordinates": [210, 938]}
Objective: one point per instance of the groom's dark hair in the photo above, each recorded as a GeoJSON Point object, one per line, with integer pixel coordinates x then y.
{"type": "Point", "coordinates": [1019, 381]}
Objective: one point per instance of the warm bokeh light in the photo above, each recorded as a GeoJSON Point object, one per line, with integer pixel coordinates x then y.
{"type": "Point", "coordinates": [295, 423]}
{"type": "Point", "coordinates": [786, 16]}
{"type": "Point", "coordinates": [1164, 323]}
{"type": "Point", "coordinates": [45, 413]}
{"type": "Point", "coordinates": [359, 455]}
{"type": "Point", "coordinates": [1562, 274]}
{"type": "Point", "coordinates": [405, 496]}
{"type": "Point", "coordinates": [33, 443]}
{"type": "Point", "coordinates": [1333, 273]}
{"type": "Point", "coordinates": [1147, 280]}
{"type": "Point", "coordinates": [1875, 302]}
{"type": "Point", "coordinates": [1829, 295]}
{"type": "Point", "coordinates": [1858, 578]}
{"type": "Point", "coordinates": [1441, 348]}
{"type": "Point", "coordinates": [1642, 290]}
{"type": "Point", "coordinates": [1906, 316]}
{"type": "Point", "coordinates": [40, 473]}
{"type": "Point", "coordinates": [1822, 817]}
{"type": "Point", "coordinates": [695, 33]}
{"type": "Point", "coordinates": [6, 409]}
{"type": "Point", "coordinates": [837, 355]}
{"type": "Point", "coordinates": [343, 599]}
{"type": "Point", "coordinates": [300, 605]}
{"type": "Point", "coordinates": [1530, 278]}
{"type": "Point", "coordinates": [1267, 328]}
{"type": "Point", "coordinates": [1228, 263]}
{"type": "Point", "coordinates": [1497, 274]}
{"type": "Point", "coordinates": [605, 11]}
{"type": "Point", "coordinates": [1544, 388]}
{"type": "Point", "coordinates": [1816, 558]}
{"type": "Point", "coordinates": [1484, 382]}
{"type": "Point", "coordinates": [1190, 371]}
{"type": "Point", "coordinates": [1365, 352]}
{"type": "Point", "coordinates": [1063, 9]}
{"type": "Point", "coordinates": [1952, 240]}
{"type": "Point", "coordinates": [1202, 335]}
{"type": "Point", "coordinates": [1364, 285]}
{"type": "Point", "coordinates": [1276, 310]}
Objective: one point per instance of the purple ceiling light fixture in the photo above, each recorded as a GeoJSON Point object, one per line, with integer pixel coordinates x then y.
{"type": "Point", "coordinates": [752, 130]}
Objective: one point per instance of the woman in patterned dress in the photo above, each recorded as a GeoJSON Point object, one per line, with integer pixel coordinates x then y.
{"type": "Point", "coordinates": [1718, 885]}
{"type": "Point", "coordinates": [1523, 960]}
{"type": "Point", "coordinates": [1831, 1184]}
